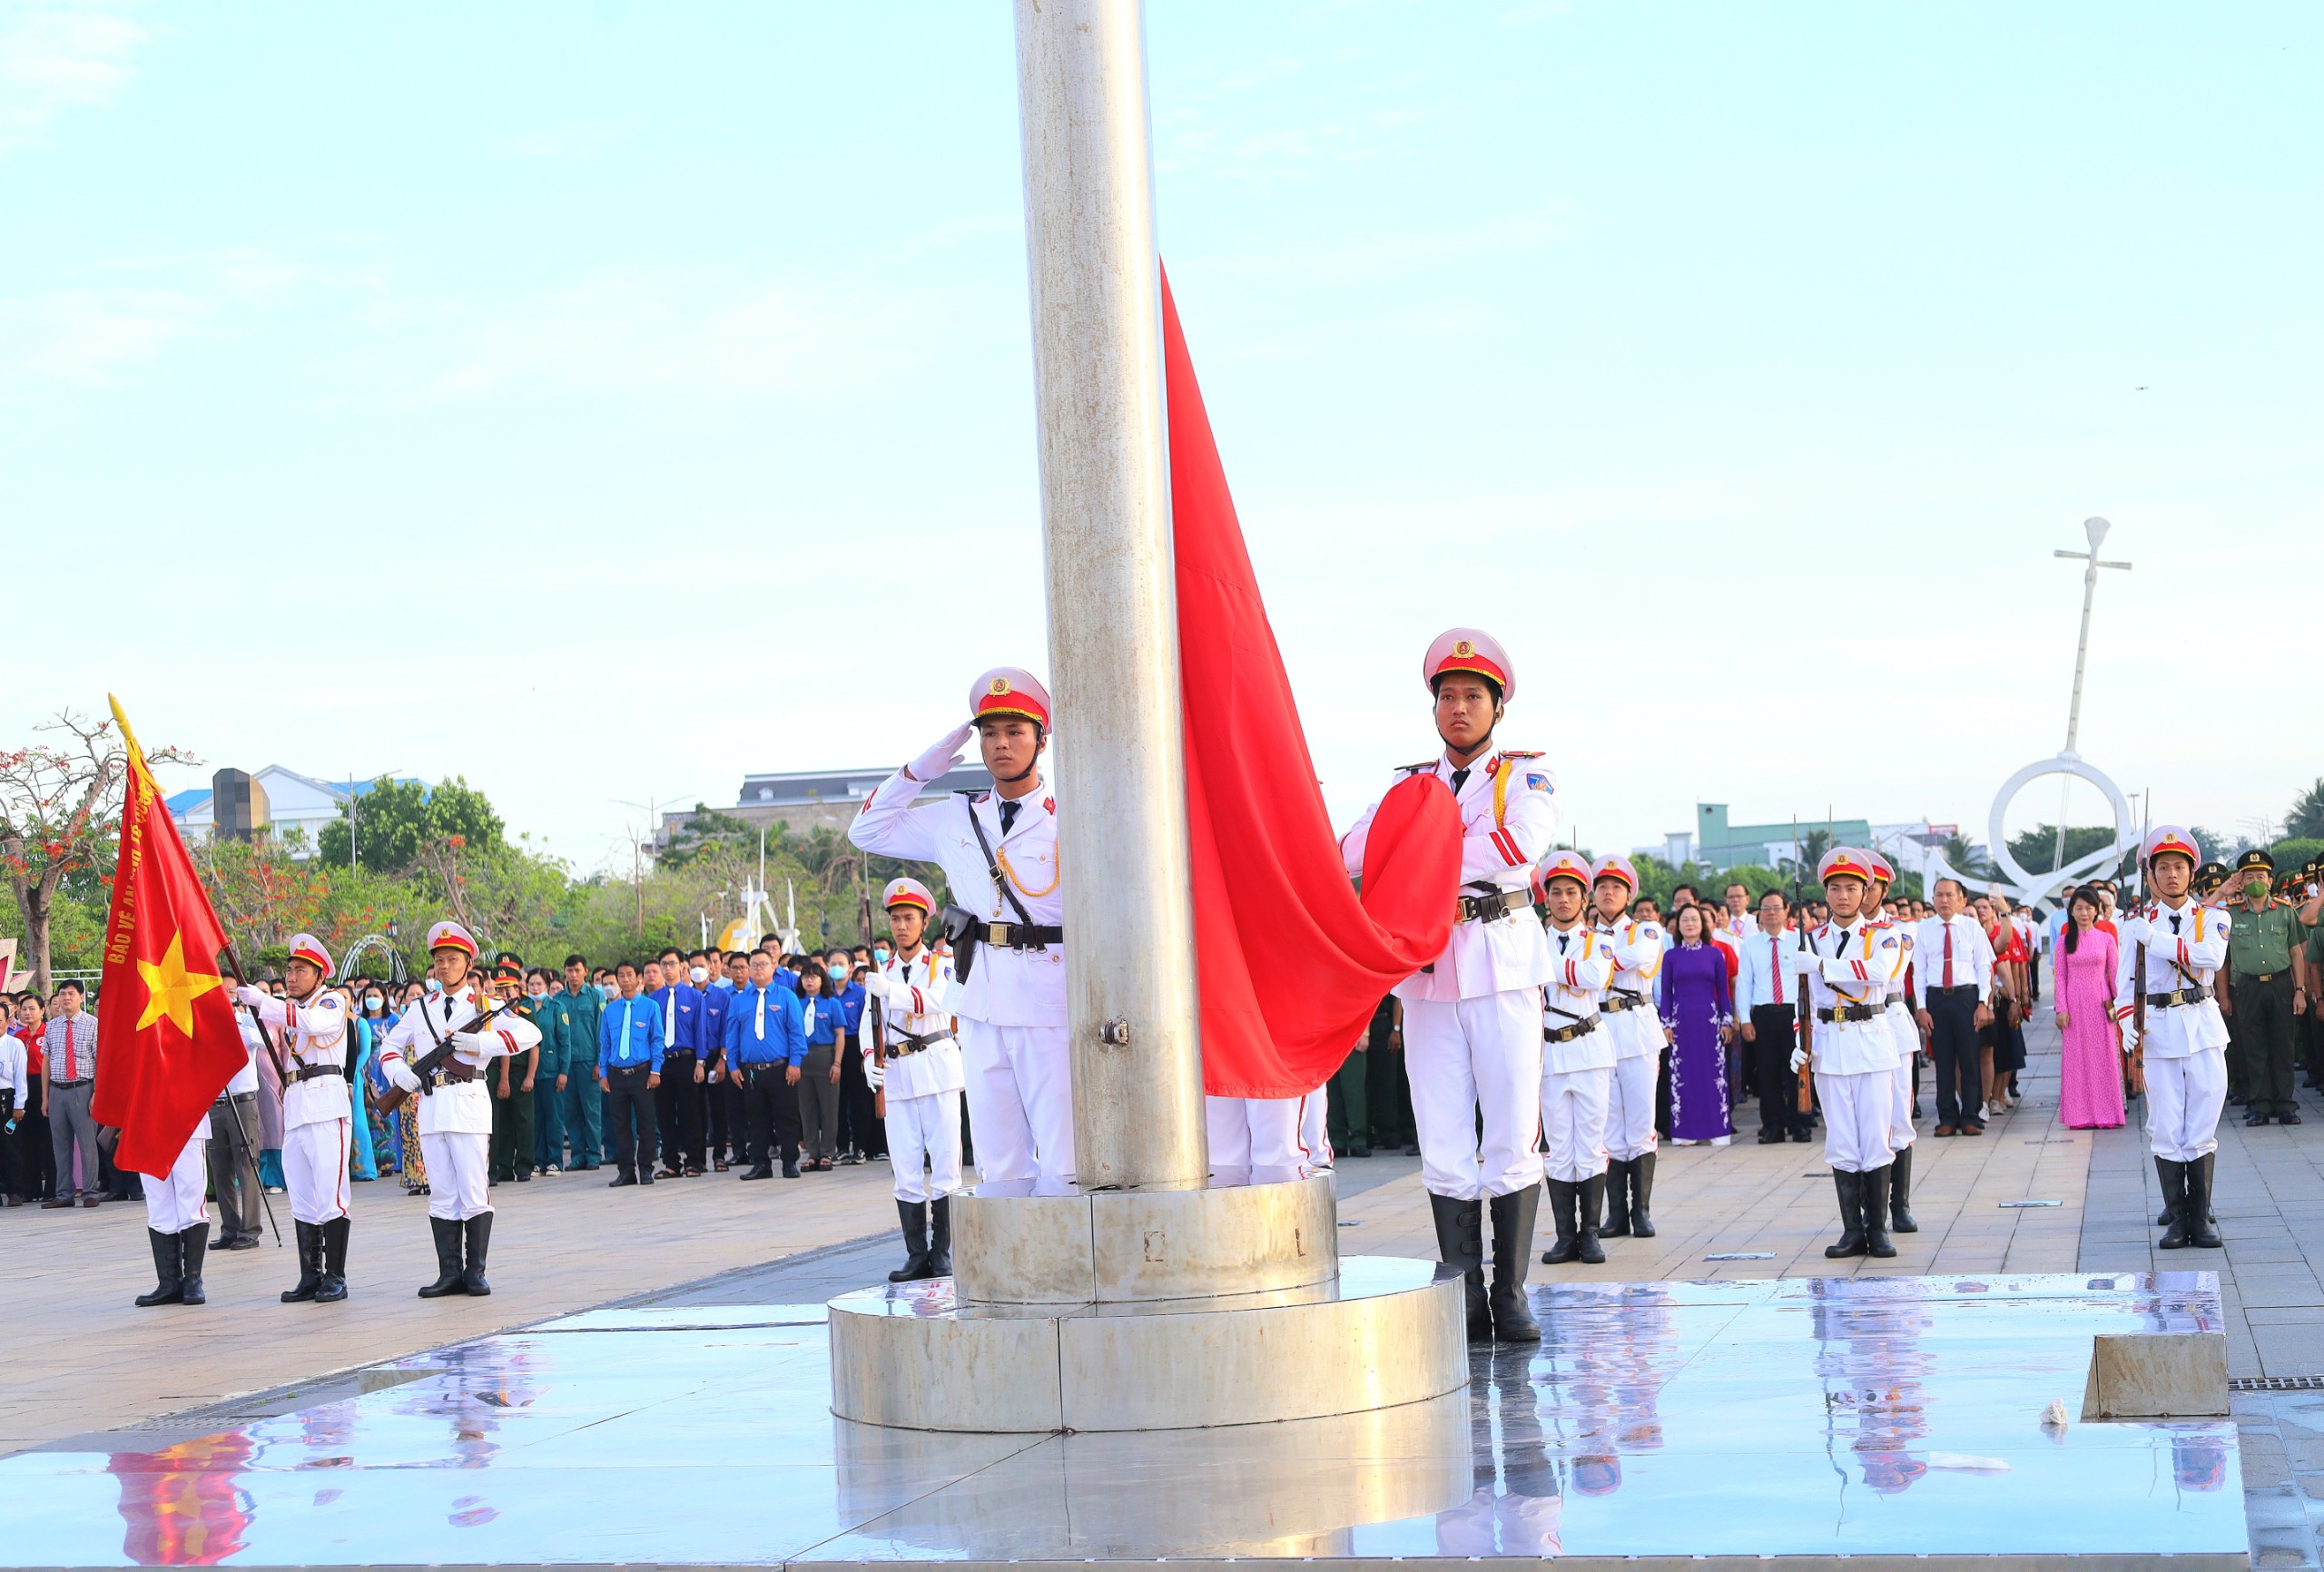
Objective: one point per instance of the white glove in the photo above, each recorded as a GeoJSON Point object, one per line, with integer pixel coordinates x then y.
{"type": "Point", "coordinates": [254, 996]}
{"type": "Point", "coordinates": [1803, 959]}
{"type": "Point", "coordinates": [932, 764]}
{"type": "Point", "coordinates": [875, 983]}
{"type": "Point", "coordinates": [2129, 1042]}
{"type": "Point", "coordinates": [875, 1073]}
{"type": "Point", "coordinates": [476, 1042]}
{"type": "Point", "coordinates": [400, 1074]}
{"type": "Point", "coordinates": [1799, 1060]}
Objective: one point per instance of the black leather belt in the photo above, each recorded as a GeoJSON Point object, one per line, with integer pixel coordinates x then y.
{"type": "Point", "coordinates": [1581, 1028]}
{"type": "Point", "coordinates": [1016, 935]}
{"type": "Point", "coordinates": [1494, 906]}
{"type": "Point", "coordinates": [1847, 1013]}
{"type": "Point", "coordinates": [1614, 1004]}
{"type": "Point", "coordinates": [1956, 987]}
{"type": "Point", "coordinates": [2246, 977]}
{"type": "Point", "coordinates": [2175, 996]}
{"type": "Point", "coordinates": [904, 1043]}
{"type": "Point", "coordinates": [453, 1075]}
{"type": "Point", "coordinates": [316, 1072]}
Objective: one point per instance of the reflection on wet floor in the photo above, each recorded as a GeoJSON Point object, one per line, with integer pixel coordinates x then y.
{"type": "Point", "coordinates": [1805, 1416]}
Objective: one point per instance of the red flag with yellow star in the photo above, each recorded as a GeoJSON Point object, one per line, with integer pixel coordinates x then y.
{"type": "Point", "coordinates": [166, 1039]}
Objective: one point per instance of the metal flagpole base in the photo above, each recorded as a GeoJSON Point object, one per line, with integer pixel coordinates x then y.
{"type": "Point", "coordinates": [1148, 1311]}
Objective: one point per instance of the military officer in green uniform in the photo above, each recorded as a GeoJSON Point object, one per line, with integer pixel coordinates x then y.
{"type": "Point", "coordinates": [549, 1014]}
{"type": "Point", "coordinates": [2263, 996]}
{"type": "Point", "coordinates": [583, 1105]}
{"type": "Point", "coordinates": [514, 1081]}
{"type": "Point", "coordinates": [2207, 878]}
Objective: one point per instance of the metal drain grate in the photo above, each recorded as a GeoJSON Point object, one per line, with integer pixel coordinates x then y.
{"type": "Point", "coordinates": [2303, 1383]}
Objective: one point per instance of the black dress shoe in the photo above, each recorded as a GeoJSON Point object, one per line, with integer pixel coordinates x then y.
{"type": "Point", "coordinates": [624, 1179]}
{"type": "Point", "coordinates": [791, 1170]}
{"type": "Point", "coordinates": [1359, 1149]}
{"type": "Point", "coordinates": [2253, 1121]}
{"type": "Point", "coordinates": [760, 1171]}
{"type": "Point", "coordinates": [1771, 1138]}
{"type": "Point", "coordinates": [2290, 1118]}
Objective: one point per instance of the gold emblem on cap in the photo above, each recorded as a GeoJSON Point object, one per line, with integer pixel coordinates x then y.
{"type": "Point", "coordinates": [1464, 649]}
{"type": "Point", "coordinates": [1000, 685]}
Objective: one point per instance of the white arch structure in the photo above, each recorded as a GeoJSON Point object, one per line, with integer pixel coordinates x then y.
{"type": "Point", "coordinates": [2040, 888]}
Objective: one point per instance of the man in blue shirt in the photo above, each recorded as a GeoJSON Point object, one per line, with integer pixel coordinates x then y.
{"type": "Point", "coordinates": [722, 1102]}
{"type": "Point", "coordinates": [629, 1068]}
{"type": "Point", "coordinates": [678, 1105]}
{"type": "Point", "coordinates": [859, 1120]}
{"type": "Point", "coordinates": [766, 1043]}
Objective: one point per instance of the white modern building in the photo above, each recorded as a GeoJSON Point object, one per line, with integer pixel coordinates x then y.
{"type": "Point", "coordinates": [294, 803]}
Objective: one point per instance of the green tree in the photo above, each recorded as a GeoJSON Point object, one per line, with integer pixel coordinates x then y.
{"type": "Point", "coordinates": [2295, 852]}
{"type": "Point", "coordinates": [2306, 819]}
{"type": "Point", "coordinates": [2036, 850]}
{"type": "Point", "coordinates": [1966, 859]}
{"type": "Point", "coordinates": [395, 823]}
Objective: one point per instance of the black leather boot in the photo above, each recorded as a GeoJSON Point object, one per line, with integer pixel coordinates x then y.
{"type": "Point", "coordinates": [1900, 1192]}
{"type": "Point", "coordinates": [479, 1241]}
{"type": "Point", "coordinates": [447, 1258]}
{"type": "Point", "coordinates": [913, 1216]}
{"type": "Point", "coordinates": [1618, 1198]}
{"type": "Point", "coordinates": [1850, 1189]}
{"type": "Point", "coordinates": [2209, 1167]}
{"type": "Point", "coordinates": [193, 1245]}
{"type": "Point", "coordinates": [1594, 1197]}
{"type": "Point", "coordinates": [2174, 1200]}
{"type": "Point", "coordinates": [334, 1287]}
{"type": "Point", "coordinates": [169, 1268]}
{"type": "Point", "coordinates": [1567, 1218]}
{"type": "Point", "coordinates": [940, 1237]}
{"type": "Point", "coordinates": [1460, 1241]}
{"type": "Point", "coordinates": [1641, 1193]}
{"type": "Point", "coordinates": [310, 1263]}
{"type": "Point", "coordinates": [1512, 1252]}
{"type": "Point", "coordinates": [1876, 1242]}
{"type": "Point", "coordinates": [2201, 1234]}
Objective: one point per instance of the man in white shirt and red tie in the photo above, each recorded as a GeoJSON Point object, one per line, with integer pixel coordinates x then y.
{"type": "Point", "coordinates": [1767, 996]}
{"type": "Point", "coordinates": [69, 1042]}
{"type": "Point", "coordinates": [1472, 1017]}
{"type": "Point", "coordinates": [1953, 979]}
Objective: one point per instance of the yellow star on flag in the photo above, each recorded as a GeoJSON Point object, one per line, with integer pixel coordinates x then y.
{"type": "Point", "coordinates": [171, 989]}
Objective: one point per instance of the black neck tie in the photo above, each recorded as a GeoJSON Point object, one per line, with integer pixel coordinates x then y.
{"type": "Point", "coordinates": [1460, 778]}
{"type": "Point", "coordinates": [2174, 923]}
{"type": "Point", "coordinates": [1007, 813]}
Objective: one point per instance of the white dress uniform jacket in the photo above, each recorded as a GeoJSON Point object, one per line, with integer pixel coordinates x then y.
{"type": "Point", "coordinates": [1509, 816]}
{"type": "Point", "coordinates": [2184, 947]}
{"type": "Point", "coordinates": [1852, 964]}
{"type": "Point", "coordinates": [1005, 988]}
{"type": "Point", "coordinates": [464, 1106]}
{"type": "Point", "coordinates": [1581, 962]}
{"type": "Point", "coordinates": [912, 995]}
{"type": "Point", "coordinates": [1636, 949]}
{"type": "Point", "coordinates": [312, 1033]}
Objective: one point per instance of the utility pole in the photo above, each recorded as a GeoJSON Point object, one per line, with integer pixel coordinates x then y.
{"type": "Point", "coordinates": [2094, 529]}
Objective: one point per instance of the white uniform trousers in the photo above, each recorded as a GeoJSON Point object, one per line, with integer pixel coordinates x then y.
{"type": "Point", "coordinates": [458, 1164]}
{"type": "Point", "coordinates": [1573, 1121]}
{"type": "Point", "coordinates": [1020, 1100]}
{"type": "Point", "coordinates": [314, 1170]}
{"type": "Point", "coordinates": [1900, 1106]}
{"type": "Point", "coordinates": [1471, 1055]}
{"type": "Point", "coordinates": [174, 1200]}
{"type": "Point", "coordinates": [2183, 1099]}
{"type": "Point", "coordinates": [1858, 1112]}
{"type": "Point", "coordinates": [1629, 1108]}
{"type": "Point", "coordinates": [1314, 1128]}
{"type": "Point", "coordinates": [924, 1144]}
{"type": "Point", "coordinates": [1255, 1133]}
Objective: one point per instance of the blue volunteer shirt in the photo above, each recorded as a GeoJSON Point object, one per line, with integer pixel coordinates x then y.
{"type": "Point", "coordinates": [716, 1000]}
{"type": "Point", "coordinates": [826, 1018]}
{"type": "Point", "coordinates": [852, 998]}
{"type": "Point", "coordinates": [682, 1018]}
{"type": "Point", "coordinates": [629, 1036]}
{"type": "Point", "coordinates": [785, 1042]}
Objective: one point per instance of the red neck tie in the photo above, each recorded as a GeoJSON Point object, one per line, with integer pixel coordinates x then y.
{"type": "Point", "coordinates": [71, 1052]}
{"type": "Point", "coordinates": [1948, 956]}
{"type": "Point", "coordinates": [1775, 960]}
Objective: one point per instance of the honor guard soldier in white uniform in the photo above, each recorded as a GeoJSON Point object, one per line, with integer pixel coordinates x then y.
{"type": "Point", "coordinates": [1635, 1025]}
{"type": "Point", "coordinates": [437, 1052]}
{"type": "Point", "coordinates": [999, 852]}
{"type": "Point", "coordinates": [1473, 1018]}
{"type": "Point", "coordinates": [1847, 963]}
{"type": "Point", "coordinates": [309, 1030]}
{"type": "Point", "coordinates": [917, 1064]}
{"type": "Point", "coordinates": [2171, 949]}
{"type": "Point", "coordinates": [1897, 1016]}
{"type": "Point", "coordinates": [176, 1225]}
{"type": "Point", "coordinates": [1577, 1063]}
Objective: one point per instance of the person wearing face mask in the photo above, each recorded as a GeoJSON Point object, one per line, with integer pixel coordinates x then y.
{"type": "Point", "coordinates": [583, 1104]}
{"type": "Point", "coordinates": [2264, 996]}
{"type": "Point", "coordinates": [2171, 950]}
{"type": "Point", "coordinates": [377, 1007]}
{"type": "Point", "coordinates": [549, 1013]}
{"type": "Point", "coordinates": [859, 1120]}
{"type": "Point", "coordinates": [310, 1029]}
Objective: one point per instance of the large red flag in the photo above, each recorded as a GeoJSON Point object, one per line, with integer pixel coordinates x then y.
{"type": "Point", "coordinates": [1272, 897]}
{"type": "Point", "coordinates": [166, 1039]}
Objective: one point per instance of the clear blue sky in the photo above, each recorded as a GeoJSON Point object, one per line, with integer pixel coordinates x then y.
{"type": "Point", "coordinates": [661, 372]}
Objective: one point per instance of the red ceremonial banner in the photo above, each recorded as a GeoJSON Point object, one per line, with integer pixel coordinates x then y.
{"type": "Point", "coordinates": [1272, 896]}
{"type": "Point", "coordinates": [166, 1039]}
